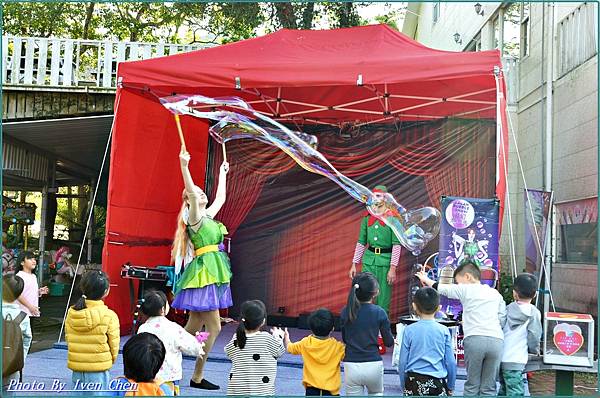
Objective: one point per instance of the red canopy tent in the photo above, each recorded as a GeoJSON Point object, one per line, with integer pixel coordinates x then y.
{"type": "Point", "coordinates": [354, 76]}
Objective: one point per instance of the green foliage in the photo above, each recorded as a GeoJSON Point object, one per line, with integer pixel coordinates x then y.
{"type": "Point", "coordinates": [342, 14]}
{"type": "Point", "coordinates": [505, 288]}
{"type": "Point", "coordinates": [43, 19]}
{"type": "Point", "coordinates": [391, 17]}
{"type": "Point", "coordinates": [175, 22]}
{"type": "Point", "coordinates": [141, 21]}
{"type": "Point", "coordinates": [222, 22]}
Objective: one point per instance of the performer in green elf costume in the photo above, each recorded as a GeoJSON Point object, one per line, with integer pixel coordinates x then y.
{"type": "Point", "coordinates": [379, 249]}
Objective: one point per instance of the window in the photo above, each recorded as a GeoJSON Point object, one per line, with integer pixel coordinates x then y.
{"type": "Point", "coordinates": [510, 31]}
{"type": "Point", "coordinates": [577, 231]}
{"type": "Point", "coordinates": [525, 28]}
{"type": "Point", "coordinates": [436, 11]}
{"type": "Point", "coordinates": [576, 35]}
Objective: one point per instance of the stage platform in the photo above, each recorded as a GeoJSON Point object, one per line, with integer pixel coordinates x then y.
{"type": "Point", "coordinates": [49, 364]}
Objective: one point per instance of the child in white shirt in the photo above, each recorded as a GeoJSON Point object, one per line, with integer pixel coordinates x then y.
{"type": "Point", "coordinates": [29, 299]}
{"type": "Point", "coordinates": [484, 316]}
{"type": "Point", "coordinates": [176, 339]}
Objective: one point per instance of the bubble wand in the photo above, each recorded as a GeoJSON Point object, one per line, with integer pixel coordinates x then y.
{"type": "Point", "coordinates": [178, 122]}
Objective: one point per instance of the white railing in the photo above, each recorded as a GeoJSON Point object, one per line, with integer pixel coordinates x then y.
{"type": "Point", "coordinates": [577, 37]}
{"type": "Point", "coordinates": [39, 61]}
{"type": "Point", "coordinates": [510, 67]}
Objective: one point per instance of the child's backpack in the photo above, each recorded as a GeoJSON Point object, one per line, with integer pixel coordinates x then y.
{"type": "Point", "coordinates": [12, 345]}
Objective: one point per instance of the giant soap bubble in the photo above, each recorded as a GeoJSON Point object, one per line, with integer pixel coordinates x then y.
{"type": "Point", "coordinates": [236, 119]}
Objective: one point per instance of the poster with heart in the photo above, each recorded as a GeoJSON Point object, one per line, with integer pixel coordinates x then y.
{"type": "Point", "coordinates": [567, 338]}
{"type": "Point", "coordinates": [468, 231]}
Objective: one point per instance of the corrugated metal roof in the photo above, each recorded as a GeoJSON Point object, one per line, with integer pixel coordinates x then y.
{"type": "Point", "coordinates": [18, 161]}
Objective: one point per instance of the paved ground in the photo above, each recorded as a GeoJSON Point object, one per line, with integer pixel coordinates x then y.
{"type": "Point", "coordinates": [47, 327]}
{"type": "Point", "coordinates": [542, 383]}
{"type": "Point", "coordinates": [45, 363]}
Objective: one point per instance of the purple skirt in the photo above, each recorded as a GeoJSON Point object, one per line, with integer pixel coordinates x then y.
{"type": "Point", "coordinates": [207, 298]}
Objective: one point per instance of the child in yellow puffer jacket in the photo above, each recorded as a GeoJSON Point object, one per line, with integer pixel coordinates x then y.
{"type": "Point", "coordinates": [92, 334]}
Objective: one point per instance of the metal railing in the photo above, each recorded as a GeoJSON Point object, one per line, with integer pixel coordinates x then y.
{"type": "Point", "coordinates": [53, 62]}
{"type": "Point", "coordinates": [577, 37]}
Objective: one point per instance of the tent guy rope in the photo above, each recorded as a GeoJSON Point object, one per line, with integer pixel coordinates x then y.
{"type": "Point", "coordinates": [90, 214]}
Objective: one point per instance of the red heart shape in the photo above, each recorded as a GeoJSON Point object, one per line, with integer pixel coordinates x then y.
{"type": "Point", "coordinates": [568, 344]}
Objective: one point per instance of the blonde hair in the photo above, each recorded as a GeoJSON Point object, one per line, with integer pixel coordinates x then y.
{"type": "Point", "coordinates": [180, 241]}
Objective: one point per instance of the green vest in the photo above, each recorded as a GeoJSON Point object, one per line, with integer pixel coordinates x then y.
{"type": "Point", "coordinates": [377, 235]}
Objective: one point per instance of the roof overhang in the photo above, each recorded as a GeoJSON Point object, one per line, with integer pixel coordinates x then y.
{"type": "Point", "coordinates": [72, 148]}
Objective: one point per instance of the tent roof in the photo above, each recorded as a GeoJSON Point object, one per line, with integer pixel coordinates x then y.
{"type": "Point", "coordinates": [361, 74]}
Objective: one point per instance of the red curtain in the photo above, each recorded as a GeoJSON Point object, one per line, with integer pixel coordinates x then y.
{"type": "Point", "coordinates": [464, 168]}
{"type": "Point", "coordinates": [295, 231]}
{"type": "Point", "coordinates": [251, 162]}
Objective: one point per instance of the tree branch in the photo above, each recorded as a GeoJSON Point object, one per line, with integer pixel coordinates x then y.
{"type": "Point", "coordinates": [88, 19]}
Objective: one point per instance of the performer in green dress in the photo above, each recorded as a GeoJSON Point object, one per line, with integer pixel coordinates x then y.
{"type": "Point", "coordinates": [379, 249]}
{"type": "Point", "coordinates": [202, 271]}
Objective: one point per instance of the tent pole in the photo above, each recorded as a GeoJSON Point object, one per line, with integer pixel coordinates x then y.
{"type": "Point", "coordinates": [91, 226]}
{"type": "Point", "coordinates": [43, 232]}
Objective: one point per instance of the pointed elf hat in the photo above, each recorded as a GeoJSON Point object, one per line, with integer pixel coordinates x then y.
{"type": "Point", "coordinates": [380, 189]}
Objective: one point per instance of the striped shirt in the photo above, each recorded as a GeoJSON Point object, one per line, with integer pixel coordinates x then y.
{"type": "Point", "coordinates": [253, 369]}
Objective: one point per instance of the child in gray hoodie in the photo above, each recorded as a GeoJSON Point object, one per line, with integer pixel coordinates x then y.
{"type": "Point", "coordinates": [522, 334]}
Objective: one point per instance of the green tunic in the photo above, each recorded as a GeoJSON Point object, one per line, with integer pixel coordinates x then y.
{"type": "Point", "coordinates": [382, 236]}
{"type": "Point", "coordinates": [208, 268]}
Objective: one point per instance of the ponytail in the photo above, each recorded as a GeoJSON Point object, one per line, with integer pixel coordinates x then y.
{"type": "Point", "coordinates": [153, 302]}
{"type": "Point", "coordinates": [364, 288]}
{"type": "Point", "coordinates": [240, 335]}
{"type": "Point", "coordinates": [80, 304]}
{"type": "Point", "coordinates": [93, 285]}
{"type": "Point", "coordinates": [253, 314]}
{"type": "Point", "coordinates": [353, 304]}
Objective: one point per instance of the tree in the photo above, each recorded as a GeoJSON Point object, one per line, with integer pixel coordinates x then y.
{"type": "Point", "coordinates": [43, 19]}
{"type": "Point", "coordinates": [296, 15]}
{"type": "Point", "coordinates": [177, 22]}
{"type": "Point", "coordinates": [140, 21]}
{"type": "Point", "coordinates": [89, 17]}
{"type": "Point", "coordinates": [343, 14]}
{"type": "Point", "coordinates": [221, 22]}
{"type": "Point", "coordinates": [391, 17]}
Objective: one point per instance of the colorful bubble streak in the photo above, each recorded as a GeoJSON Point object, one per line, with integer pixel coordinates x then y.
{"type": "Point", "coordinates": [414, 229]}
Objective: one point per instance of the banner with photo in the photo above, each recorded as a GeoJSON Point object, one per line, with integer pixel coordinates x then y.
{"type": "Point", "coordinates": [469, 230]}
{"type": "Point", "coordinates": [537, 213]}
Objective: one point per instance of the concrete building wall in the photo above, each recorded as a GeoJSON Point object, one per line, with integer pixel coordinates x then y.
{"type": "Point", "coordinates": [453, 18]}
{"type": "Point", "coordinates": [574, 155]}
{"type": "Point", "coordinates": [575, 174]}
